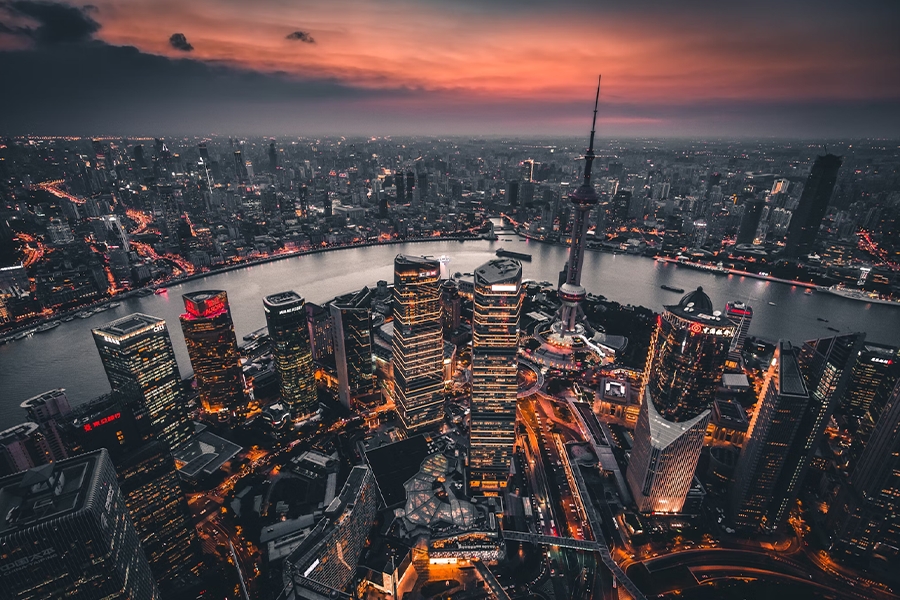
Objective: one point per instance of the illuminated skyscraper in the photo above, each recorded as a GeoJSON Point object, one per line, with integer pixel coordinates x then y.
{"type": "Point", "coordinates": [67, 533]}
{"type": "Point", "coordinates": [876, 371]}
{"type": "Point", "coordinates": [864, 520]}
{"type": "Point", "coordinates": [742, 315]}
{"type": "Point", "coordinates": [688, 352]}
{"type": "Point", "coordinates": [663, 459]}
{"type": "Point", "coordinates": [289, 332]}
{"type": "Point", "coordinates": [807, 217]}
{"type": "Point", "coordinates": [418, 345]}
{"type": "Point", "coordinates": [213, 350]}
{"type": "Point", "coordinates": [759, 472]}
{"type": "Point", "coordinates": [139, 361]}
{"type": "Point", "coordinates": [495, 337]}
{"type": "Point", "coordinates": [451, 305]}
{"type": "Point", "coordinates": [352, 319]}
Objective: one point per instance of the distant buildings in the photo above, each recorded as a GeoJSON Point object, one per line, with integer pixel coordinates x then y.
{"type": "Point", "coordinates": [327, 559]}
{"type": "Point", "coordinates": [352, 321]}
{"type": "Point", "coordinates": [139, 361]}
{"type": "Point", "coordinates": [495, 337]}
{"type": "Point", "coordinates": [289, 333]}
{"type": "Point", "coordinates": [759, 479]}
{"type": "Point", "coordinates": [67, 533]}
{"type": "Point", "coordinates": [213, 350]}
{"type": "Point", "coordinates": [807, 217]}
{"type": "Point", "coordinates": [418, 345]}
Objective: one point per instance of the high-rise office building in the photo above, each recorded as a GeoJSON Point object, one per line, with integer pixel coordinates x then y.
{"type": "Point", "coordinates": [663, 459]}
{"type": "Point", "coordinates": [67, 533]}
{"type": "Point", "coordinates": [326, 560]}
{"type": "Point", "coordinates": [512, 193]}
{"type": "Point", "coordinates": [759, 473]}
{"type": "Point", "coordinates": [321, 332]}
{"type": "Point", "coordinates": [213, 350]}
{"type": "Point", "coordinates": [418, 345]}
{"type": "Point", "coordinates": [451, 306]}
{"type": "Point", "coordinates": [876, 371]}
{"type": "Point", "coordinates": [807, 217]}
{"type": "Point", "coordinates": [46, 410]}
{"type": "Point", "coordinates": [750, 221]}
{"type": "Point", "coordinates": [139, 361]}
{"type": "Point", "coordinates": [289, 333]}
{"type": "Point", "coordinates": [688, 352]}
{"type": "Point", "coordinates": [352, 319]}
{"type": "Point", "coordinates": [742, 314]}
{"type": "Point", "coordinates": [152, 491]}
{"type": "Point", "coordinates": [22, 447]}
{"type": "Point", "coordinates": [864, 520]}
{"type": "Point", "coordinates": [495, 338]}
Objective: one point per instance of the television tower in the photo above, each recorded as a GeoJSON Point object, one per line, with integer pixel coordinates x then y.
{"type": "Point", "coordinates": [583, 199]}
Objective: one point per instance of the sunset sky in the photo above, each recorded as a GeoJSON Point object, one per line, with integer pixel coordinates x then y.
{"type": "Point", "coordinates": [692, 68]}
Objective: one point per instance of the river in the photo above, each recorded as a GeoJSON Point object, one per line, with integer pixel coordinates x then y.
{"type": "Point", "coordinates": [66, 356]}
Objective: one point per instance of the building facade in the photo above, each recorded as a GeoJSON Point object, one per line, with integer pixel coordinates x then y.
{"type": "Point", "coordinates": [139, 361]}
{"type": "Point", "coordinates": [807, 217]}
{"type": "Point", "coordinates": [213, 350]}
{"type": "Point", "coordinates": [352, 319]}
{"type": "Point", "coordinates": [46, 410]}
{"type": "Point", "coordinates": [289, 333]}
{"type": "Point", "coordinates": [418, 344]}
{"type": "Point", "coordinates": [741, 314]}
{"type": "Point", "coordinates": [68, 534]}
{"type": "Point", "coordinates": [759, 470]}
{"type": "Point", "coordinates": [495, 339]}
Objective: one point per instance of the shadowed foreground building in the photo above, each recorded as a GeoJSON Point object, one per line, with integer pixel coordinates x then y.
{"type": "Point", "coordinates": [213, 350]}
{"type": "Point", "coordinates": [495, 338]}
{"type": "Point", "coordinates": [759, 479]}
{"type": "Point", "coordinates": [289, 333]}
{"type": "Point", "coordinates": [327, 559]}
{"type": "Point", "coordinates": [418, 344]}
{"type": "Point", "coordinates": [67, 533]}
{"type": "Point", "coordinates": [352, 322]}
{"type": "Point", "coordinates": [139, 361]}
{"type": "Point", "coordinates": [807, 217]}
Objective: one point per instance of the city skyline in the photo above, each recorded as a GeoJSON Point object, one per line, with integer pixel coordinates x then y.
{"type": "Point", "coordinates": [358, 69]}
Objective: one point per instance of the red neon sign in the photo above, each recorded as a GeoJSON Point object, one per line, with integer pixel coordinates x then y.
{"type": "Point", "coordinates": [696, 328]}
{"type": "Point", "coordinates": [102, 421]}
{"type": "Point", "coordinates": [205, 308]}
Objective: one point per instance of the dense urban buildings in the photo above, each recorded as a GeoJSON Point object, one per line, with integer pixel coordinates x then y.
{"type": "Point", "coordinates": [67, 533]}
{"type": "Point", "coordinates": [213, 349]}
{"type": "Point", "coordinates": [289, 332]}
{"type": "Point", "coordinates": [139, 361]}
{"type": "Point", "coordinates": [495, 342]}
{"type": "Point", "coordinates": [418, 344]}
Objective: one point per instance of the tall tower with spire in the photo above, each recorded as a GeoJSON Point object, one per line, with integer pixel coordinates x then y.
{"type": "Point", "coordinates": [583, 199]}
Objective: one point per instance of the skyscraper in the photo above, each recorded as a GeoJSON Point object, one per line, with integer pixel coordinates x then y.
{"type": "Point", "coordinates": [750, 221]}
{"type": "Point", "coordinates": [46, 410]}
{"type": "Point", "coordinates": [742, 314]}
{"type": "Point", "coordinates": [663, 459]}
{"type": "Point", "coordinates": [876, 371]}
{"type": "Point", "coordinates": [418, 345]}
{"type": "Point", "coordinates": [352, 320]}
{"type": "Point", "coordinates": [806, 218]}
{"type": "Point", "coordinates": [289, 332]}
{"type": "Point", "coordinates": [495, 338]}
{"type": "Point", "coordinates": [688, 352]}
{"type": "Point", "coordinates": [67, 533]}
{"type": "Point", "coordinates": [22, 447]}
{"type": "Point", "coordinates": [864, 520]}
{"type": "Point", "coordinates": [213, 350]}
{"type": "Point", "coordinates": [451, 305]}
{"type": "Point", "coordinates": [139, 361]}
{"type": "Point", "coordinates": [326, 560]}
{"type": "Point", "coordinates": [759, 473]}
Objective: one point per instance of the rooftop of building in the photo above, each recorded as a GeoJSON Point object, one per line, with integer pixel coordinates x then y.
{"type": "Point", "coordinates": [729, 413]}
{"type": "Point", "coordinates": [418, 262]}
{"type": "Point", "coordinates": [394, 464]}
{"type": "Point", "coordinates": [204, 454]}
{"type": "Point", "coordinates": [202, 295]}
{"type": "Point", "coordinates": [283, 299]}
{"type": "Point", "coordinates": [17, 432]}
{"type": "Point", "coordinates": [735, 381]}
{"type": "Point", "coordinates": [128, 326]}
{"type": "Point", "coordinates": [47, 492]}
{"type": "Point", "coordinates": [42, 398]}
{"type": "Point", "coordinates": [790, 378]}
{"type": "Point", "coordinates": [664, 432]}
{"type": "Point", "coordinates": [697, 306]}
{"type": "Point", "coordinates": [499, 271]}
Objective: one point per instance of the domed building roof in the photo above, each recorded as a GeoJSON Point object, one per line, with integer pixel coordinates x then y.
{"type": "Point", "coordinates": [698, 301]}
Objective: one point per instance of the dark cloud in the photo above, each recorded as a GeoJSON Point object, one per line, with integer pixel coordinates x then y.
{"type": "Point", "coordinates": [56, 23]}
{"type": "Point", "coordinates": [179, 42]}
{"type": "Point", "coordinates": [301, 36]}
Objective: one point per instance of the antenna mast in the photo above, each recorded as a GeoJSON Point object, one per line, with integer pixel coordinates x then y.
{"type": "Point", "coordinates": [589, 157]}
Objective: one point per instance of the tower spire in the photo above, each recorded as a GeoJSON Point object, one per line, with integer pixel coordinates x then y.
{"type": "Point", "coordinates": [589, 157]}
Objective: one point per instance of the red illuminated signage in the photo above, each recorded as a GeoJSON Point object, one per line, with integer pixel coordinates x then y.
{"type": "Point", "coordinates": [696, 328]}
{"type": "Point", "coordinates": [102, 421]}
{"type": "Point", "coordinates": [206, 308]}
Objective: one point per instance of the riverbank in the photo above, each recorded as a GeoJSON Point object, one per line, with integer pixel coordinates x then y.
{"type": "Point", "coordinates": [29, 328]}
